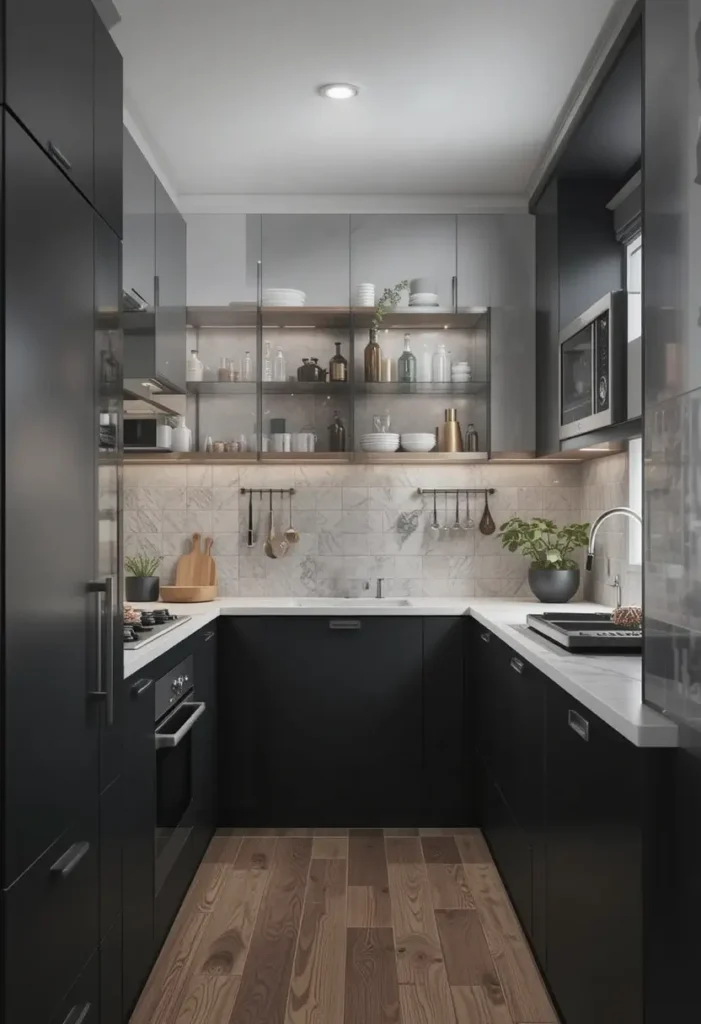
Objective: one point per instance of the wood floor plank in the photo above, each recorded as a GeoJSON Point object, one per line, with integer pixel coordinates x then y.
{"type": "Point", "coordinates": [163, 991]}
{"type": "Point", "coordinates": [473, 848]}
{"type": "Point", "coordinates": [255, 853]}
{"type": "Point", "coordinates": [447, 831]}
{"type": "Point", "coordinates": [330, 847]}
{"type": "Point", "coordinates": [417, 942]}
{"type": "Point", "coordinates": [318, 978]}
{"type": "Point", "coordinates": [449, 888]}
{"type": "Point", "coordinates": [400, 832]}
{"type": "Point", "coordinates": [230, 927]}
{"type": "Point", "coordinates": [331, 832]}
{"type": "Point", "coordinates": [367, 861]}
{"type": "Point", "coordinates": [369, 833]}
{"type": "Point", "coordinates": [294, 832]}
{"type": "Point", "coordinates": [440, 850]}
{"type": "Point", "coordinates": [369, 907]}
{"type": "Point", "coordinates": [241, 830]}
{"type": "Point", "coordinates": [262, 996]}
{"type": "Point", "coordinates": [372, 992]}
{"type": "Point", "coordinates": [403, 850]}
{"type": "Point", "coordinates": [520, 979]}
{"type": "Point", "coordinates": [428, 1004]}
{"type": "Point", "coordinates": [222, 850]}
{"type": "Point", "coordinates": [473, 1005]}
{"type": "Point", "coordinates": [210, 1001]}
{"type": "Point", "coordinates": [467, 957]}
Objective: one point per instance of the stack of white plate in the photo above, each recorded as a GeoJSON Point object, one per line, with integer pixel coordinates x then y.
{"type": "Point", "coordinates": [365, 295]}
{"type": "Point", "coordinates": [418, 442]}
{"type": "Point", "coordinates": [283, 297]}
{"type": "Point", "coordinates": [461, 373]}
{"type": "Point", "coordinates": [423, 299]}
{"type": "Point", "coordinates": [379, 442]}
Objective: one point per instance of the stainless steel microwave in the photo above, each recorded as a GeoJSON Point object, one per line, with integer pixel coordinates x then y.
{"type": "Point", "coordinates": [593, 373]}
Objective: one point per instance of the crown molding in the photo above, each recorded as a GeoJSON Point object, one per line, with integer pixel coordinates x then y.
{"type": "Point", "coordinates": [233, 203]}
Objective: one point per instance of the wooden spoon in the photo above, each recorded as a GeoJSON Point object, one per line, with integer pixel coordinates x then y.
{"type": "Point", "coordinates": [487, 524]}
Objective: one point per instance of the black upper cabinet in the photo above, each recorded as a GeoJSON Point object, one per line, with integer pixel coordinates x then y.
{"type": "Point", "coordinates": [49, 345]}
{"type": "Point", "coordinates": [171, 275]}
{"type": "Point", "coordinates": [49, 79]}
{"type": "Point", "coordinates": [139, 256]}
{"type": "Point", "coordinates": [594, 861]}
{"type": "Point", "coordinates": [108, 198]}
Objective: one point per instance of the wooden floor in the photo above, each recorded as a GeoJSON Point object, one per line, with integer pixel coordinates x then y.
{"type": "Point", "coordinates": [338, 926]}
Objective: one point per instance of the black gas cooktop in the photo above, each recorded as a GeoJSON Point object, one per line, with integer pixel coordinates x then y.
{"type": "Point", "coordinates": [587, 632]}
{"type": "Point", "coordinates": [152, 624]}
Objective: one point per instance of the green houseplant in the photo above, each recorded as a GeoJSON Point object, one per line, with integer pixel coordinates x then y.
{"type": "Point", "coordinates": [553, 574]}
{"type": "Point", "coordinates": [142, 583]}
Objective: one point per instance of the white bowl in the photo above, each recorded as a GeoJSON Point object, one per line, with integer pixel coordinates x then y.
{"type": "Point", "coordinates": [423, 298]}
{"type": "Point", "coordinates": [414, 446]}
{"type": "Point", "coordinates": [419, 438]}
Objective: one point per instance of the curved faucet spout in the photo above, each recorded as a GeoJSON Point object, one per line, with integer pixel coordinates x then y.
{"type": "Point", "coordinates": [620, 510]}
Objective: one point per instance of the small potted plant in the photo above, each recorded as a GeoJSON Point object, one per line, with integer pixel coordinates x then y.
{"type": "Point", "coordinates": [553, 575]}
{"type": "Point", "coordinates": [142, 584]}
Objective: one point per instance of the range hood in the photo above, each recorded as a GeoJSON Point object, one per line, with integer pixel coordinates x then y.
{"type": "Point", "coordinates": [154, 356]}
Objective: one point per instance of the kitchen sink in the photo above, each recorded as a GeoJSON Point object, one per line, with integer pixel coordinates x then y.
{"type": "Point", "coordinates": [351, 603]}
{"type": "Point", "coordinates": [587, 632]}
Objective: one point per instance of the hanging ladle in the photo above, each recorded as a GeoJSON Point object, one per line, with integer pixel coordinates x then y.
{"type": "Point", "coordinates": [487, 524]}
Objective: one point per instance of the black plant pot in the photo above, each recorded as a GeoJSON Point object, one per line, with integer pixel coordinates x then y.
{"type": "Point", "coordinates": [554, 586]}
{"type": "Point", "coordinates": [141, 588]}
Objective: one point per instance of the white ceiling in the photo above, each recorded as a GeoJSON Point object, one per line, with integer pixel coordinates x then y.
{"type": "Point", "coordinates": [457, 96]}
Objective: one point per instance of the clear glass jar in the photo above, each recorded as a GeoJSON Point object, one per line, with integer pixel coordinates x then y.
{"type": "Point", "coordinates": [441, 365]}
{"type": "Point", "coordinates": [279, 366]}
{"type": "Point", "coordinates": [247, 370]}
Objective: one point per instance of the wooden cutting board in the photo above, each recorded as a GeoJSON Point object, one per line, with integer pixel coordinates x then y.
{"type": "Point", "coordinates": [208, 542]}
{"type": "Point", "coordinates": [194, 569]}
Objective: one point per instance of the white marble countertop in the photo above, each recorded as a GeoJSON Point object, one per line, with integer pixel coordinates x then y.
{"type": "Point", "coordinates": [608, 686]}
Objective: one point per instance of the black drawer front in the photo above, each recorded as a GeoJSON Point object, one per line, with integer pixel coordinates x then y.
{"type": "Point", "coordinates": [511, 850]}
{"type": "Point", "coordinates": [82, 1004]}
{"type": "Point", "coordinates": [51, 925]}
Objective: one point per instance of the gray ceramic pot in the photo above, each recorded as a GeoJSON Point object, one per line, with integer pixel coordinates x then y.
{"type": "Point", "coordinates": [554, 586]}
{"type": "Point", "coordinates": [141, 588]}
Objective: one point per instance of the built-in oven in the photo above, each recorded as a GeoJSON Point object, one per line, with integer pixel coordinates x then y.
{"type": "Point", "coordinates": [177, 715]}
{"type": "Point", "coordinates": [593, 361]}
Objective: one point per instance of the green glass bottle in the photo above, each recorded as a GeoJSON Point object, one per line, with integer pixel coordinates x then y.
{"type": "Point", "coordinates": [406, 369]}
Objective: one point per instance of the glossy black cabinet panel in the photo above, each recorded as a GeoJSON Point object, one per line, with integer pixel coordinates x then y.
{"type": "Point", "coordinates": [324, 725]}
{"type": "Point", "coordinates": [594, 865]}
{"type": "Point", "coordinates": [139, 837]}
{"type": "Point", "coordinates": [53, 908]}
{"type": "Point", "coordinates": [446, 778]}
{"type": "Point", "coordinates": [49, 79]}
{"type": "Point", "coordinates": [205, 739]}
{"type": "Point", "coordinates": [111, 976]}
{"type": "Point", "coordinates": [139, 256]}
{"type": "Point", "coordinates": [547, 323]}
{"type": "Point", "coordinates": [171, 298]}
{"type": "Point", "coordinates": [109, 104]}
{"type": "Point", "coordinates": [111, 841]}
{"type": "Point", "coordinates": [49, 345]}
{"type": "Point", "coordinates": [82, 1004]}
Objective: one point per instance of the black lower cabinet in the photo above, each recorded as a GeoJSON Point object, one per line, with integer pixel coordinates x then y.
{"type": "Point", "coordinates": [595, 800]}
{"type": "Point", "coordinates": [82, 1003]}
{"type": "Point", "coordinates": [320, 721]}
{"type": "Point", "coordinates": [138, 839]}
{"type": "Point", "coordinates": [447, 774]}
{"type": "Point", "coordinates": [205, 743]}
{"type": "Point", "coordinates": [111, 976]}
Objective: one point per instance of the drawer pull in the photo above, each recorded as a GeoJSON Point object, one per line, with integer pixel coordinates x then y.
{"type": "Point", "coordinates": [579, 724]}
{"type": "Point", "coordinates": [345, 624]}
{"type": "Point", "coordinates": [209, 636]}
{"type": "Point", "coordinates": [78, 1014]}
{"type": "Point", "coordinates": [517, 665]}
{"type": "Point", "coordinates": [69, 861]}
{"type": "Point", "coordinates": [59, 157]}
{"type": "Point", "coordinates": [140, 686]}
{"type": "Point", "coordinates": [486, 637]}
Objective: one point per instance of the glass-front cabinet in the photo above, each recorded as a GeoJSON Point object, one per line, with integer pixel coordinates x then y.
{"type": "Point", "coordinates": [319, 362]}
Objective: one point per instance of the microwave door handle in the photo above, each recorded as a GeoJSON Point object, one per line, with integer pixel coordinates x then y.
{"type": "Point", "coordinates": [594, 369]}
{"type": "Point", "coordinates": [174, 738]}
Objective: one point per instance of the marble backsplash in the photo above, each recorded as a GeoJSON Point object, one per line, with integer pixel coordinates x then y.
{"type": "Point", "coordinates": [356, 523]}
{"type": "Point", "coordinates": [604, 485]}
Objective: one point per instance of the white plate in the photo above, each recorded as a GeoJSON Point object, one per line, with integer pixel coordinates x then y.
{"type": "Point", "coordinates": [424, 309]}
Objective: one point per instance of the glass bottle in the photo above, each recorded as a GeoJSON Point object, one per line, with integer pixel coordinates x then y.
{"type": "Point", "coordinates": [223, 371]}
{"type": "Point", "coordinates": [337, 434]}
{"type": "Point", "coordinates": [195, 366]}
{"type": "Point", "coordinates": [247, 367]}
{"type": "Point", "coordinates": [406, 372]}
{"type": "Point", "coordinates": [373, 358]}
{"type": "Point", "coordinates": [441, 365]}
{"type": "Point", "coordinates": [426, 365]}
{"type": "Point", "coordinates": [267, 362]}
{"type": "Point", "coordinates": [279, 366]}
{"type": "Point", "coordinates": [338, 367]}
{"type": "Point", "coordinates": [471, 439]}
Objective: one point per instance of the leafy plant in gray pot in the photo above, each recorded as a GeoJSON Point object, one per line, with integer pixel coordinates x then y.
{"type": "Point", "coordinates": [553, 575]}
{"type": "Point", "coordinates": [142, 584]}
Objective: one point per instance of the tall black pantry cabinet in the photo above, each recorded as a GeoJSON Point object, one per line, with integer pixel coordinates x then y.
{"type": "Point", "coordinates": [61, 433]}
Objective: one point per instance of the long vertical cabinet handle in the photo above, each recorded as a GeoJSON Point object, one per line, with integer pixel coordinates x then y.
{"type": "Point", "coordinates": [99, 693]}
{"type": "Point", "coordinates": [108, 647]}
{"type": "Point", "coordinates": [455, 294]}
{"type": "Point", "coordinates": [259, 283]}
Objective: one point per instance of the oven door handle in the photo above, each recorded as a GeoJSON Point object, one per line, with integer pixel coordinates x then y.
{"type": "Point", "coordinates": [174, 738]}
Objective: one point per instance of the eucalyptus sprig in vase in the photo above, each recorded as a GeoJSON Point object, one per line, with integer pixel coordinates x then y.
{"type": "Point", "coordinates": [389, 300]}
{"type": "Point", "coordinates": [553, 575]}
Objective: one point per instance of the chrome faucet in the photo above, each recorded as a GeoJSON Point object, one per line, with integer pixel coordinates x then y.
{"type": "Point", "coordinates": [617, 587]}
{"type": "Point", "coordinates": [619, 510]}
{"type": "Point", "coordinates": [378, 592]}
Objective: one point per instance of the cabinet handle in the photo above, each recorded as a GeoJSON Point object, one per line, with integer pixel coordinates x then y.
{"type": "Point", "coordinates": [517, 665]}
{"type": "Point", "coordinates": [140, 297]}
{"type": "Point", "coordinates": [579, 724]}
{"type": "Point", "coordinates": [209, 636]}
{"type": "Point", "coordinates": [156, 291]}
{"type": "Point", "coordinates": [78, 1014]}
{"type": "Point", "coordinates": [455, 294]}
{"type": "Point", "coordinates": [59, 157]}
{"type": "Point", "coordinates": [69, 861]}
{"type": "Point", "coordinates": [105, 644]}
{"type": "Point", "coordinates": [259, 283]}
{"type": "Point", "coordinates": [140, 686]}
{"type": "Point", "coordinates": [486, 637]}
{"type": "Point", "coordinates": [345, 624]}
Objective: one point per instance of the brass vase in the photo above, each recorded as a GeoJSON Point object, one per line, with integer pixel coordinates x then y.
{"type": "Point", "coordinates": [449, 434]}
{"type": "Point", "coordinates": [373, 358]}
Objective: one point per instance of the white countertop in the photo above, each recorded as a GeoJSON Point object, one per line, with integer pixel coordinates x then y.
{"type": "Point", "coordinates": [609, 686]}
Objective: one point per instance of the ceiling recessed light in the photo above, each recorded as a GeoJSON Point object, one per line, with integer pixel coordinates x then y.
{"type": "Point", "coordinates": [338, 91]}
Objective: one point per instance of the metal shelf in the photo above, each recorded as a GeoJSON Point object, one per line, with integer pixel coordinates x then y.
{"type": "Point", "coordinates": [395, 388]}
{"type": "Point", "coordinates": [247, 315]}
{"type": "Point", "coordinates": [222, 387]}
